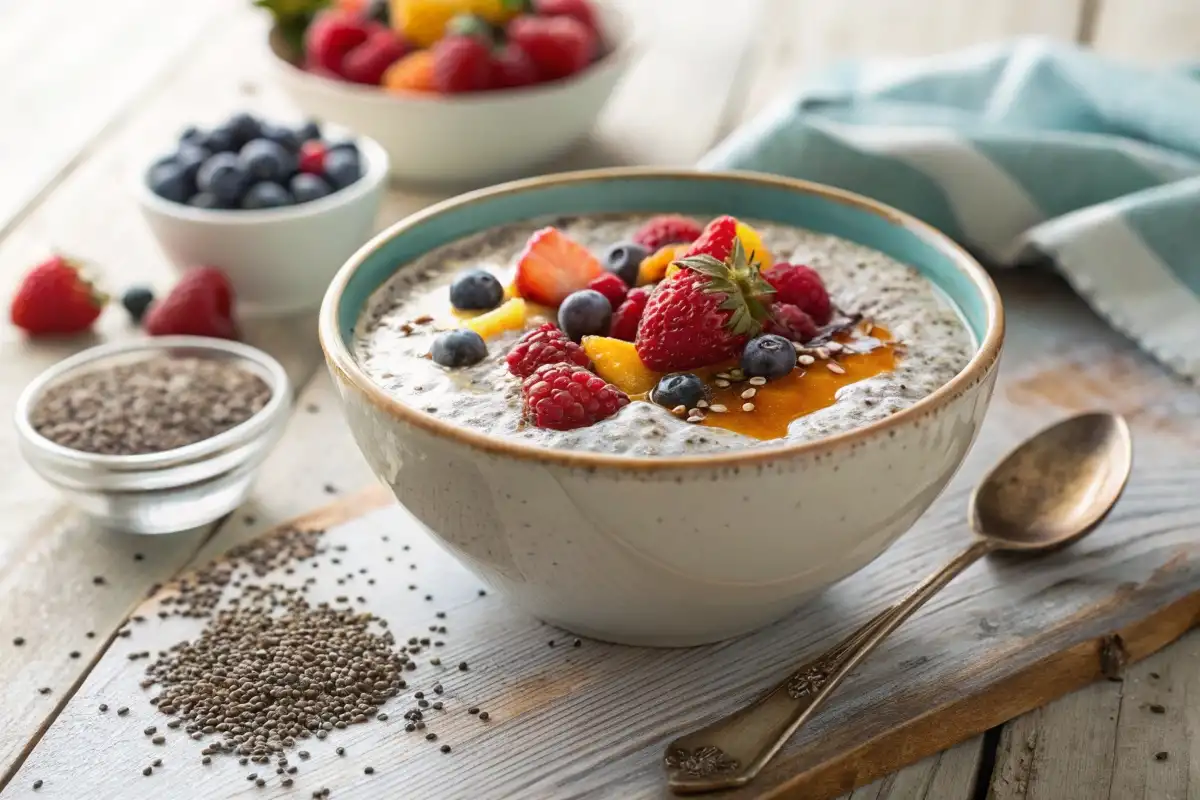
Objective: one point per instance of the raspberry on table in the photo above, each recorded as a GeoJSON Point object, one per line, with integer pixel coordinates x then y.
{"type": "Point", "coordinates": [801, 286]}
{"type": "Point", "coordinates": [627, 316]}
{"type": "Point", "coordinates": [660, 231]}
{"type": "Point", "coordinates": [565, 396]}
{"type": "Point", "coordinates": [543, 345]}
{"type": "Point", "coordinates": [611, 286]}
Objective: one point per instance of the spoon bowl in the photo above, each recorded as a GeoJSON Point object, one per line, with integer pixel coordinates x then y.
{"type": "Point", "coordinates": [1055, 487]}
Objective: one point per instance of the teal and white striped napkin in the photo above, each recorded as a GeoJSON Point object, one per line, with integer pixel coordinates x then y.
{"type": "Point", "coordinates": [1021, 151]}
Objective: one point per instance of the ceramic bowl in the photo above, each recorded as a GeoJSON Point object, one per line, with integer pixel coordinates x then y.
{"type": "Point", "coordinates": [470, 138]}
{"type": "Point", "coordinates": [667, 551]}
{"type": "Point", "coordinates": [279, 260]}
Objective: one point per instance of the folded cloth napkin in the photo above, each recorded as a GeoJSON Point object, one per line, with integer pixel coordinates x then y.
{"type": "Point", "coordinates": [1022, 151]}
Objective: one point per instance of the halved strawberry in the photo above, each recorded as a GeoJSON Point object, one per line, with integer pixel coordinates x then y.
{"type": "Point", "coordinates": [716, 240]}
{"type": "Point", "coordinates": [552, 266]}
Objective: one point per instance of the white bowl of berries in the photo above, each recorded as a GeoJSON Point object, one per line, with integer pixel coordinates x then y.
{"type": "Point", "coordinates": [279, 209]}
{"type": "Point", "coordinates": [457, 92]}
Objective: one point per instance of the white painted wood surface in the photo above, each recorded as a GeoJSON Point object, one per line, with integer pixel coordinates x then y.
{"type": "Point", "coordinates": [88, 118]}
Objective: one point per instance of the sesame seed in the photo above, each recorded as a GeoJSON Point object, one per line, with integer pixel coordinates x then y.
{"type": "Point", "coordinates": [746, 395]}
{"type": "Point", "coordinates": [747, 406]}
{"type": "Point", "coordinates": [805, 360]}
{"type": "Point", "coordinates": [758, 380]}
{"type": "Point", "coordinates": [695, 419]}
{"type": "Point", "coordinates": [718, 408]}
{"type": "Point", "coordinates": [722, 383]}
{"type": "Point", "coordinates": [835, 368]}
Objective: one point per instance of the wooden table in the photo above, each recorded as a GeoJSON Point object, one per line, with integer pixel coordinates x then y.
{"type": "Point", "coordinates": [96, 84]}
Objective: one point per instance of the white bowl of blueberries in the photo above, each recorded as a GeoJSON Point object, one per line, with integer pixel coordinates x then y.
{"type": "Point", "coordinates": [278, 208]}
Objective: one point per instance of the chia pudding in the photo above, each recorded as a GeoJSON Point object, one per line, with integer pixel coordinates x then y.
{"type": "Point", "coordinates": [881, 304]}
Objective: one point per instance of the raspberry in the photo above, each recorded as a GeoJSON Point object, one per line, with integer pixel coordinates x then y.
{"type": "Point", "coordinates": [790, 321]}
{"type": "Point", "coordinates": [801, 286]}
{"type": "Point", "coordinates": [461, 64]}
{"type": "Point", "coordinates": [564, 396]}
{"type": "Point", "coordinates": [667, 229]}
{"type": "Point", "coordinates": [627, 316]}
{"type": "Point", "coordinates": [541, 346]}
{"type": "Point", "coordinates": [611, 286]}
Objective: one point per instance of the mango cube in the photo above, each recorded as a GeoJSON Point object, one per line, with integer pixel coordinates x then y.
{"type": "Point", "coordinates": [509, 316]}
{"type": "Point", "coordinates": [618, 363]}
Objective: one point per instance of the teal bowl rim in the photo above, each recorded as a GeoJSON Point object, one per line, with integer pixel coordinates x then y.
{"type": "Point", "coordinates": [346, 369]}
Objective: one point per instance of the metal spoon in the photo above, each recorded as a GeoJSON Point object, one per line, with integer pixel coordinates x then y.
{"type": "Point", "coordinates": [1048, 493]}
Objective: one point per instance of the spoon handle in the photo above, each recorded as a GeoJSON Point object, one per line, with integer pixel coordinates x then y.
{"type": "Point", "coordinates": [733, 750]}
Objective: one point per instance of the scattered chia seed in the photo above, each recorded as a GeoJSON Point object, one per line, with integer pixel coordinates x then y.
{"type": "Point", "coordinates": [1155, 708]}
{"type": "Point", "coordinates": [577, 643]}
{"type": "Point", "coordinates": [445, 748]}
{"type": "Point", "coordinates": [473, 710]}
{"type": "Point", "coordinates": [44, 690]}
{"type": "Point", "coordinates": [369, 771]}
{"type": "Point", "coordinates": [462, 666]}
{"type": "Point", "coordinates": [19, 641]}
{"type": "Point", "coordinates": [341, 751]}
{"type": "Point", "coordinates": [431, 737]}
{"type": "Point", "coordinates": [156, 762]}
{"type": "Point", "coordinates": [122, 711]}
{"type": "Point", "coordinates": [103, 707]}
{"type": "Point", "coordinates": [148, 771]}
{"type": "Point", "coordinates": [37, 784]}
{"type": "Point", "coordinates": [483, 715]}
{"type": "Point", "coordinates": [1161, 755]}
{"type": "Point", "coordinates": [149, 406]}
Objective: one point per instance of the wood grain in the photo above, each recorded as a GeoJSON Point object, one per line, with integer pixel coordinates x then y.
{"type": "Point", "coordinates": [590, 722]}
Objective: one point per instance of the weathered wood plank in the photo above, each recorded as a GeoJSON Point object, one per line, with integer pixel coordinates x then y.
{"type": "Point", "coordinates": [949, 775]}
{"type": "Point", "coordinates": [591, 722]}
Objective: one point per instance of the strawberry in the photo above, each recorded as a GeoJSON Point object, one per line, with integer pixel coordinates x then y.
{"type": "Point", "coordinates": [558, 46]}
{"type": "Point", "coordinates": [512, 67]}
{"type": "Point", "coordinates": [579, 9]}
{"type": "Point", "coordinates": [704, 313]}
{"type": "Point", "coordinates": [312, 157]}
{"type": "Point", "coordinates": [201, 304]}
{"type": "Point", "coordinates": [801, 286]}
{"type": "Point", "coordinates": [461, 64]}
{"type": "Point", "coordinates": [627, 316]}
{"type": "Point", "coordinates": [715, 240]}
{"type": "Point", "coordinates": [611, 286]}
{"type": "Point", "coordinates": [367, 62]}
{"type": "Point", "coordinates": [552, 266]}
{"type": "Point", "coordinates": [665, 229]}
{"type": "Point", "coordinates": [330, 38]}
{"type": "Point", "coordinates": [54, 298]}
{"type": "Point", "coordinates": [564, 396]}
{"type": "Point", "coordinates": [545, 344]}
{"type": "Point", "coordinates": [790, 321]}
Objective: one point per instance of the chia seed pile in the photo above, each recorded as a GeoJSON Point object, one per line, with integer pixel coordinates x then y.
{"type": "Point", "coordinates": [148, 406]}
{"type": "Point", "coordinates": [396, 331]}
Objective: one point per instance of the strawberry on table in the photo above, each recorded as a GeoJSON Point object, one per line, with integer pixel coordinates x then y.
{"type": "Point", "coordinates": [54, 298]}
{"type": "Point", "coordinates": [201, 304]}
{"type": "Point", "coordinates": [801, 286]}
{"type": "Point", "coordinates": [558, 46]}
{"type": "Point", "coordinates": [704, 313]}
{"type": "Point", "coordinates": [565, 396]}
{"type": "Point", "coordinates": [552, 266]}
{"type": "Point", "coordinates": [665, 229]}
{"type": "Point", "coordinates": [461, 64]}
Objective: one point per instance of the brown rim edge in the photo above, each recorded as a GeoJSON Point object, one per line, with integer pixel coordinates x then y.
{"type": "Point", "coordinates": [342, 361]}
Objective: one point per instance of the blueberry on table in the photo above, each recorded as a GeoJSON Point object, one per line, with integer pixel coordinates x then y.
{"type": "Point", "coordinates": [679, 389]}
{"type": "Point", "coordinates": [190, 157]}
{"type": "Point", "coordinates": [218, 140]}
{"type": "Point", "coordinates": [306, 188]}
{"type": "Point", "coordinates": [623, 260]}
{"type": "Point", "coordinates": [282, 136]}
{"type": "Point", "coordinates": [585, 313]}
{"type": "Point", "coordinates": [169, 180]}
{"type": "Point", "coordinates": [309, 131]}
{"type": "Point", "coordinates": [769, 357]}
{"type": "Point", "coordinates": [244, 127]}
{"type": "Point", "coordinates": [476, 290]}
{"type": "Point", "coordinates": [206, 200]}
{"type": "Point", "coordinates": [342, 168]}
{"type": "Point", "coordinates": [136, 300]}
{"type": "Point", "coordinates": [266, 194]}
{"type": "Point", "coordinates": [224, 177]}
{"type": "Point", "coordinates": [266, 160]}
{"type": "Point", "coordinates": [458, 348]}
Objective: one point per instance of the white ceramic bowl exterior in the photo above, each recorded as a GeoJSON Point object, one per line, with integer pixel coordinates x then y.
{"type": "Point", "coordinates": [668, 551]}
{"type": "Point", "coordinates": [279, 260]}
{"type": "Point", "coordinates": [467, 138]}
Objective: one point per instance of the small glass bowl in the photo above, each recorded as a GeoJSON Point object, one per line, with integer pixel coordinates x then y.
{"type": "Point", "coordinates": [164, 492]}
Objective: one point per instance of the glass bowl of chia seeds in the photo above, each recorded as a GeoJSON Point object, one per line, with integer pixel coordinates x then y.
{"type": "Point", "coordinates": [155, 435]}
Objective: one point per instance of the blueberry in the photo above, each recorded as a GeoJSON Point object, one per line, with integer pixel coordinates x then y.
{"type": "Point", "coordinates": [218, 140]}
{"type": "Point", "coordinates": [190, 157]}
{"type": "Point", "coordinates": [191, 135]}
{"type": "Point", "coordinates": [768, 356]}
{"type": "Point", "coordinates": [284, 137]}
{"type": "Point", "coordinates": [206, 200]}
{"type": "Point", "coordinates": [266, 160]}
{"type": "Point", "coordinates": [476, 290]}
{"type": "Point", "coordinates": [266, 194]}
{"type": "Point", "coordinates": [623, 260]}
{"type": "Point", "coordinates": [169, 180]}
{"type": "Point", "coordinates": [342, 168]}
{"type": "Point", "coordinates": [244, 127]}
{"type": "Point", "coordinates": [136, 300]}
{"type": "Point", "coordinates": [585, 313]}
{"type": "Point", "coordinates": [344, 144]}
{"type": "Point", "coordinates": [458, 348]}
{"type": "Point", "coordinates": [679, 389]}
{"type": "Point", "coordinates": [308, 131]}
{"type": "Point", "coordinates": [306, 188]}
{"type": "Point", "coordinates": [224, 177]}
